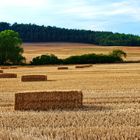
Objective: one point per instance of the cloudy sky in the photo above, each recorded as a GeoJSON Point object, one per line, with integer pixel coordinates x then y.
{"type": "Point", "coordinates": [104, 15]}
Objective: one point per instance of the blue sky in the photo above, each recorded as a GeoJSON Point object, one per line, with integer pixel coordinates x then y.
{"type": "Point", "coordinates": [103, 15]}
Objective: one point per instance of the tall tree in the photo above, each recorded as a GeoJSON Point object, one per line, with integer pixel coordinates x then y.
{"type": "Point", "coordinates": [10, 50]}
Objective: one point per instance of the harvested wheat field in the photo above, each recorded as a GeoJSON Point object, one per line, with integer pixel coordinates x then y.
{"type": "Point", "coordinates": [63, 50]}
{"type": "Point", "coordinates": [111, 98]}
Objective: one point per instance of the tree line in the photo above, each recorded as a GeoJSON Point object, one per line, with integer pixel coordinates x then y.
{"type": "Point", "coordinates": [36, 33]}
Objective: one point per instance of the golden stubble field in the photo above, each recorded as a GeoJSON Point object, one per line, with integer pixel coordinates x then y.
{"type": "Point", "coordinates": [111, 104]}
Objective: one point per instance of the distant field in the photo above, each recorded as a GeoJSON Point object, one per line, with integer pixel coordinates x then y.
{"type": "Point", "coordinates": [111, 104]}
{"type": "Point", "coordinates": [63, 50]}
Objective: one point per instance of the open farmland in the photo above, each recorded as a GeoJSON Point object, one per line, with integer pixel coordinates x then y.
{"type": "Point", "coordinates": [63, 50]}
{"type": "Point", "coordinates": [111, 104]}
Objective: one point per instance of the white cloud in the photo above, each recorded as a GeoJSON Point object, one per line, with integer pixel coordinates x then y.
{"type": "Point", "coordinates": [129, 8]}
{"type": "Point", "coordinates": [22, 3]}
{"type": "Point", "coordinates": [86, 14]}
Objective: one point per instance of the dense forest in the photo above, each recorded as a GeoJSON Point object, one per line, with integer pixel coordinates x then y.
{"type": "Point", "coordinates": [36, 33]}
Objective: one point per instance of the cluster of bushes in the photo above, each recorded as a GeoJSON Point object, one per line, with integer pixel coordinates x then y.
{"type": "Point", "coordinates": [115, 56]}
{"type": "Point", "coordinates": [92, 59]}
{"type": "Point", "coordinates": [46, 59]}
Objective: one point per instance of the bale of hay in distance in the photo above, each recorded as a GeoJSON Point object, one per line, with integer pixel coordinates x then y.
{"type": "Point", "coordinates": [83, 66]}
{"type": "Point", "coordinates": [1, 71]}
{"type": "Point", "coordinates": [31, 78]}
{"type": "Point", "coordinates": [4, 67]}
{"type": "Point", "coordinates": [62, 68]}
{"type": "Point", "coordinates": [48, 100]}
{"type": "Point", "coordinates": [8, 75]}
{"type": "Point", "coordinates": [13, 67]}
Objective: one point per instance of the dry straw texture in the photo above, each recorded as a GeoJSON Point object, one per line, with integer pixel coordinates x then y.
{"type": "Point", "coordinates": [8, 75]}
{"type": "Point", "coordinates": [48, 100]}
{"type": "Point", "coordinates": [83, 66]}
{"type": "Point", "coordinates": [62, 68]}
{"type": "Point", "coordinates": [31, 78]}
{"type": "Point", "coordinates": [111, 92]}
{"type": "Point", "coordinates": [111, 104]}
{"type": "Point", "coordinates": [1, 71]}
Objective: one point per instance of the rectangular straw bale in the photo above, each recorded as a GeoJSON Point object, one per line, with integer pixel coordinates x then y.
{"type": "Point", "coordinates": [83, 66]}
{"type": "Point", "coordinates": [30, 66]}
{"type": "Point", "coordinates": [62, 68]}
{"type": "Point", "coordinates": [1, 71]}
{"type": "Point", "coordinates": [5, 67]}
{"type": "Point", "coordinates": [8, 75]}
{"type": "Point", "coordinates": [31, 78]}
{"type": "Point", "coordinates": [13, 67]}
{"type": "Point", "coordinates": [48, 100]}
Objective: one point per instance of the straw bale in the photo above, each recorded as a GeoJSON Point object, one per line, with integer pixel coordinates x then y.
{"type": "Point", "coordinates": [5, 67]}
{"type": "Point", "coordinates": [1, 71]}
{"type": "Point", "coordinates": [48, 100]}
{"type": "Point", "coordinates": [31, 78]}
{"type": "Point", "coordinates": [13, 67]}
{"type": "Point", "coordinates": [62, 68]}
{"type": "Point", "coordinates": [8, 75]}
{"type": "Point", "coordinates": [83, 66]}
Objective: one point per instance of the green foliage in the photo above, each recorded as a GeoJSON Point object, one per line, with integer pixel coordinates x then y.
{"type": "Point", "coordinates": [92, 59]}
{"type": "Point", "coordinates": [45, 59]}
{"type": "Point", "coordinates": [10, 51]}
{"type": "Point", "coordinates": [35, 33]}
{"type": "Point", "coordinates": [115, 56]}
{"type": "Point", "coordinates": [118, 53]}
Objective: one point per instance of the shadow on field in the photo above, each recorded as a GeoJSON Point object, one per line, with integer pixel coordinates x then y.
{"type": "Point", "coordinates": [83, 108]}
{"type": "Point", "coordinates": [95, 108]}
{"type": "Point", "coordinates": [52, 80]}
{"type": "Point", "coordinates": [40, 81]}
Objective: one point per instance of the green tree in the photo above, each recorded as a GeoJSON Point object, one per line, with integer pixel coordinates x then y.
{"type": "Point", "coordinates": [118, 53]}
{"type": "Point", "coordinates": [45, 59]}
{"type": "Point", "coordinates": [10, 50]}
